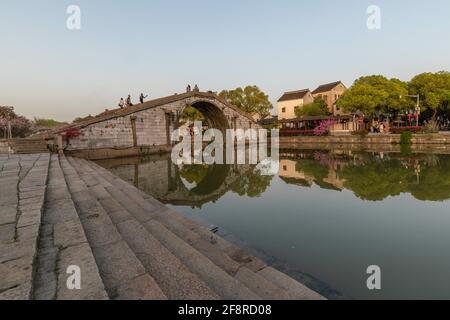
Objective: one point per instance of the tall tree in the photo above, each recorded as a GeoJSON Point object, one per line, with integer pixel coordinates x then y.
{"type": "Point", "coordinates": [20, 126]}
{"type": "Point", "coordinates": [434, 90]}
{"type": "Point", "coordinates": [376, 93]}
{"type": "Point", "coordinates": [250, 99]}
{"type": "Point", "coordinates": [317, 108]}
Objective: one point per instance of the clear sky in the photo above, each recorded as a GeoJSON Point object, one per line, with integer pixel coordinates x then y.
{"type": "Point", "coordinates": [158, 46]}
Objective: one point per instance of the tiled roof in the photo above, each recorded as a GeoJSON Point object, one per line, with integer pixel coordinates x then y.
{"type": "Point", "coordinates": [326, 87]}
{"type": "Point", "coordinates": [294, 95]}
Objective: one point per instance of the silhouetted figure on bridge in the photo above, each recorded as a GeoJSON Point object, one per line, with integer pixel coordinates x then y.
{"type": "Point", "coordinates": [142, 97]}
{"type": "Point", "coordinates": [196, 89]}
{"type": "Point", "coordinates": [129, 103]}
{"type": "Point", "coordinates": [188, 89]}
{"type": "Point", "coordinates": [121, 103]}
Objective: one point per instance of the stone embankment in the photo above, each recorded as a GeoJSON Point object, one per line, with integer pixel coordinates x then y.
{"type": "Point", "coordinates": [58, 212]}
{"type": "Point", "coordinates": [429, 143]}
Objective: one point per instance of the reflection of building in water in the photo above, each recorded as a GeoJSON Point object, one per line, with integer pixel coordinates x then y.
{"type": "Point", "coordinates": [333, 175]}
{"type": "Point", "coordinates": [323, 170]}
{"type": "Point", "coordinates": [289, 173]}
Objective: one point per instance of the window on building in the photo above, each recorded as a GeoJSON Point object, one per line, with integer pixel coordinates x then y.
{"type": "Point", "coordinates": [284, 168]}
{"type": "Point", "coordinates": [283, 110]}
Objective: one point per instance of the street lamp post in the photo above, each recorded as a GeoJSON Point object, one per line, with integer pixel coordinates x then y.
{"type": "Point", "coordinates": [417, 110]}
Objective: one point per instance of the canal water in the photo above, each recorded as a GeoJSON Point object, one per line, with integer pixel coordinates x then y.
{"type": "Point", "coordinates": [325, 217]}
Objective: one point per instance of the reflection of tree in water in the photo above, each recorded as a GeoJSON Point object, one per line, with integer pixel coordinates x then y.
{"type": "Point", "coordinates": [194, 173]}
{"type": "Point", "coordinates": [376, 176]}
{"type": "Point", "coordinates": [313, 169]}
{"type": "Point", "coordinates": [376, 181]}
{"type": "Point", "coordinates": [434, 182]}
{"type": "Point", "coordinates": [252, 185]}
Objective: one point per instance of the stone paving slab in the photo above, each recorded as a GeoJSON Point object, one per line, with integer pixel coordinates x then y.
{"type": "Point", "coordinates": [215, 277]}
{"type": "Point", "coordinates": [91, 284]}
{"type": "Point", "coordinates": [172, 276]}
{"type": "Point", "coordinates": [21, 203]}
{"type": "Point", "coordinates": [294, 288]}
{"type": "Point", "coordinates": [63, 243]}
{"type": "Point", "coordinates": [141, 288]}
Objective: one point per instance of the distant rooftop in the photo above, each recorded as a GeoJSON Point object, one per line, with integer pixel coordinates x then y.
{"type": "Point", "coordinates": [294, 95]}
{"type": "Point", "coordinates": [326, 87]}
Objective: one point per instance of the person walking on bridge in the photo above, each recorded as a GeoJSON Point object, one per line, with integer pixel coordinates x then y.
{"type": "Point", "coordinates": [142, 97]}
{"type": "Point", "coordinates": [188, 89]}
{"type": "Point", "coordinates": [129, 103]}
{"type": "Point", "coordinates": [121, 103]}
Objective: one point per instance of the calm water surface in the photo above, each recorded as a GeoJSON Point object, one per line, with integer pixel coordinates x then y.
{"type": "Point", "coordinates": [325, 217]}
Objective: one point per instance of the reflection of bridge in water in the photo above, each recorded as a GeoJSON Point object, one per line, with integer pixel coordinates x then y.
{"type": "Point", "coordinates": [193, 185]}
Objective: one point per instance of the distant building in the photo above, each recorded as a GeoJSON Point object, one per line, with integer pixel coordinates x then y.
{"type": "Point", "coordinates": [330, 93]}
{"type": "Point", "coordinates": [291, 100]}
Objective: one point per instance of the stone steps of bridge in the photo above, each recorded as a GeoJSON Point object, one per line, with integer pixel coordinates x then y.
{"type": "Point", "coordinates": [123, 275]}
{"type": "Point", "coordinates": [224, 285]}
{"type": "Point", "coordinates": [172, 276]}
{"type": "Point", "coordinates": [236, 262]}
{"type": "Point", "coordinates": [63, 243]}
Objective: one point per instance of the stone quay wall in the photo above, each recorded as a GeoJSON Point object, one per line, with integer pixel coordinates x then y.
{"type": "Point", "coordinates": [391, 139]}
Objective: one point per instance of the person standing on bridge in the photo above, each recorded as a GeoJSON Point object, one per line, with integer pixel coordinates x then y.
{"type": "Point", "coordinates": [121, 103]}
{"type": "Point", "coordinates": [142, 97]}
{"type": "Point", "coordinates": [188, 89]}
{"type": "Point", "coordinates": [129, 103]}
{"type": "Point", "coordinates": [196, 89]}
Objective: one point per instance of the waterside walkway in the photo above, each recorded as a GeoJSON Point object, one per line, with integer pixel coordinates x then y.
{"type": "Point", "coordinates": [57, 212]}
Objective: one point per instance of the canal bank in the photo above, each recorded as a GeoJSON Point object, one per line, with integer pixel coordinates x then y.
{"type": "Point", "coordinates": [390, 142]}
{"type": "Point", "coordinates": [60, 212]}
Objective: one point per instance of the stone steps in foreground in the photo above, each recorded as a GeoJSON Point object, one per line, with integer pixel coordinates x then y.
{"type": "Point", "coordinates": [266, 281]}
{"type": "Point", "coordinates": [122, 273]}
{"type": "Point", "coordinates": [173, 277]}
{"type": "Point", "coordinates": [63, 243]}
{"type": "Point", "coordinates": [219, 280]}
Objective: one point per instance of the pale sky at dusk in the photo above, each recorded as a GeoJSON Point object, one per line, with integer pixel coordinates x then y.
{"type": "Point", "coordinates": [158, 47]}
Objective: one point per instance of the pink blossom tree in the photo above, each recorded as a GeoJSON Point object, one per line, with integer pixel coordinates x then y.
{"type": "Point", "coordinates": [324, 127]}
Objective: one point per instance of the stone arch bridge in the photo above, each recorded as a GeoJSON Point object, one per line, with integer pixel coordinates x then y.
{"type": "Point", "coordinates": [148, 126]}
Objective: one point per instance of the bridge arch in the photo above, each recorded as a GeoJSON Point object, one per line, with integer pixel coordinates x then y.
{"type": "Point", "coordinates": [214, 115]}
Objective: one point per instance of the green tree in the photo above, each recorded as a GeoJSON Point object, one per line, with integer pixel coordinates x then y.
{"type": "Point", "coordinates": [433, 89]}
{"type": "Point", "coordinates": [250, 99]}
{"type": "Point", "coordinates": [47, 123]}
{"type": "Point", "coordinates": [375, 93]}
{"type": "Point", "coordinates": [192, 114]}
{"type": "Point", "coordinates": [317, 108]}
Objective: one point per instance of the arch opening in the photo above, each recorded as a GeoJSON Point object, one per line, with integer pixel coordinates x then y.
{"type": "Point", "coordinates": [211, 116]}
